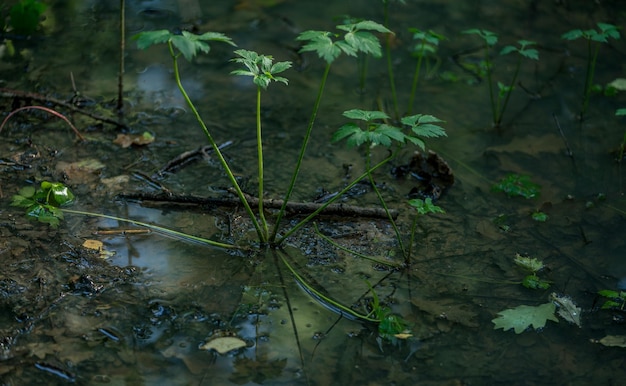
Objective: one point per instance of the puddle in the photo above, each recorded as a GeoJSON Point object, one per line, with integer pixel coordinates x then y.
{"type": "Point", "coordinates": [144, 314]}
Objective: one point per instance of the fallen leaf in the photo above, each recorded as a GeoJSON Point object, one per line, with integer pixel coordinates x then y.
{"type": "Point", "coordinates": [521, 317]}
{"type": "Point", "coordinates": [612, 341]}
{"type": "Point", "coordinates": [223, 344]}
{"type": "Point", "coordinates": [126, 140]}
{"type": "Point", "coordinates": [93, 244]}
{"type": "Point", "coordinates": [566, 308]}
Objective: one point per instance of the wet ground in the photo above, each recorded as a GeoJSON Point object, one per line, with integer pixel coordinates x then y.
{"type": "Point", "coordinates": [141, 310]}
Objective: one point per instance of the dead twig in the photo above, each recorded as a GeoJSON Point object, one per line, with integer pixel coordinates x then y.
{"type": "Point", "coordinates": [48, 110]}
{"type": "Point", "coordinates": [293, 208]}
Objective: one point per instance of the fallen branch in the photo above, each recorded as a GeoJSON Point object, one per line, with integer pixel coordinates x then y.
{"type": "Point", "coordinates": [10, 93]}
{"type": "Point", "coordinates": [49, 111]}
{"type": "Point", "coordinates": [293, 208]}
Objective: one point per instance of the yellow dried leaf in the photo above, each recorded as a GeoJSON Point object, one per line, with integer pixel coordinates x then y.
{"type": "Point", "coordinates": [93, 244]}
{"type": "Point", "coordinates": [223, 344]}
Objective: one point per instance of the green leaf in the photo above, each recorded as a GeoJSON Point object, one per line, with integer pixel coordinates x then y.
{"type": "Point", "coordinates": [540, 216]}
{"type": "Point", "coordinates": [260, 67]}
{"type": "Point", "coordinates": [528, 263]}
{"type": "Point", "coordinates": [365, 115]}
{"type": "Point", "coordinates": [60, 195]}
{"type": "Point", "coordinates": [25, 16]}
{"type": "Point", "coordinates": [149, 38]}
{"type": "Point", "coordinates": [321, 43]}
{"type": "Point", "coordinates": [535, 282]}
{"type": "Point", "coordinates": [489, 37]}
{"type": "Point", "coordinates": [518, 185]}
{"type": "Point", "coordinates": [345, 131]}
{"type": "Point", "coordinates": [425, 206]}
{"type": "Point", "coordinates": [392, 132]}
{"type": "Point", "coordinates": [620, 112]}
{"type": "Point", "coordinates": [424, 125]}
{"type": "Point", "coordinates": [609, 294]}
{"type": "Point", "coordinates": [507, 50]}
{"type": "Point", "coordinates": [522, 317]}
{"type": "Point", "coordinates": [572, 35]}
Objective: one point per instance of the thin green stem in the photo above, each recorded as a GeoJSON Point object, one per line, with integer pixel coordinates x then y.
{"type": "Point", "coordinates": [335, 198]}
{"type": "Point", "coordinates": [416, 76]}
{"type": "Point", "coordinates": [157, 228]}
{"type": "Point", "coordinates": [305, 142]}
{"type": "Point", "coordinates": [325, 300]}
{"type": "Point", "coordinates": [591, 68]}
{"type": "Point", "coordinates": [508, 94]}
{"type": "Point", "coordinates": [259, 146]}
{"type": "Point", "coordinates": [215, 147]}
{"type": "Point", "coordinates": [383, 203]}
{"type": "Point", "coordinates": [392, 82]}
{"type": "Point", "coordinates": [488, 69]}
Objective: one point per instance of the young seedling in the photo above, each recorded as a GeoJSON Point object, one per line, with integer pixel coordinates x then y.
{"type": "Point", "coordinates": [188, 45]}
{"type": "Point", "coordinates": [263, 71]}
{"type": "Point", "coordinates": [328, 46]}
{"type": "Point", "coordinates": [532, 265]}
{"type": "Point", "coordinates": [594, 39]}
{"type": "Point", "coordinates": [498, 106]}
{"type": "Point", "coordinates": [376, 132]}
{"type": "Point", "coordinates": [427, 43]}
{"type": "Point", "coordinates": [422, 207]}
{"type": "Point", "coordinates": [490, 39]}
{"type": "Point", "coordinates": [42, 204]}
{"type": "Point", "coordinates": [518, 185]}
{"type": "Point", "coordinates": [504, 92]}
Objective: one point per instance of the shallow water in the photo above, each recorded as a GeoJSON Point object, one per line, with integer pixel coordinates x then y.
{"type": "Point", "coordinates": [145, 325]}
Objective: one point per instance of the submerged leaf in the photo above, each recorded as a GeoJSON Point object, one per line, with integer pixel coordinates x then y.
{"type": "Point", "coordinates": [223, 344]}
{"type": "Point", "coordinates": [567, 309]}
{"type": "Point", "coordinates": [522, 317]}
{"type": "Point", "coordinates": [612, 341]}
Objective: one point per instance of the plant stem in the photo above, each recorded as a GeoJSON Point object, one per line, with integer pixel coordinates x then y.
{"type": "Point", "coordinates": [488, 69]}
{"type": "Point", "coordinates": [259, 146]}
{"type": "Point", "coordinates": [416, 76]}
{"type": "Point", "coordinates": [392, 82]}
{"type": "Point", "coordinates": [501, 109]}
{"type": "Point", "coordinates": [335, 198]}
{"type": "Point", "coordinates": [305, 142]}
{"type": "Point", "coordinates": [120, 83]}
{"type": "Point", "coordinates": [383, 203]}
{"type": "Point", "coordinates": [156, 228]}
{"type": "Point", "coordinates": [591, 68]}
{"type": "Point", "coordinates": [216, 148]}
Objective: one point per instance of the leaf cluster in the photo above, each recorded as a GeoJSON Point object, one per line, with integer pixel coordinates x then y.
{"type": "Point", "coordinates": [187, 43]}
{"type": "Point", "coordinates": [529, 53]}
{"type": "Point", "coordinates": [604, 32]}
{"type": "Point", "coordinates": [43, 203]}
{"type": "Point", "coordinates": [261, 67]}
{"type": "Point", "coordinates": [377, 132]}
{"type": "Point", "coordinates": [518, 185]}
{"type": "Point", "coordinates": [428, 41]}
{"type": "Point", "coordinates": [489, 37]}
{"type": "Point", "coordinates": [357, 38]}
{"type": "Point", "coordinates": [533, 265]}
{"type": "Point", "coordinates": [425, 206]}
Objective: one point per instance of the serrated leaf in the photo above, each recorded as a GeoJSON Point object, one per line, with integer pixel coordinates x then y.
{"type": "Point", "coordinates": [528, 263]}
{"type": "Point", "coordinates": [149, 38]}
{"type": "Point", "coordinates": [572, 35]}
{"type": "Point", "coordinates": [507, 50]}
{"type": "Point", "coordinates": [365, 115]}
{"type": "Point", "coordinates": [189, 47]}
{"type": "Point", "coordinates": [321, 43]}
{"type": "Point", "coordinates": [567, 309]}
{"type": "Point", "coordinates": [345, 131]}
{"type": "Point", "coordinates": [522, 317]}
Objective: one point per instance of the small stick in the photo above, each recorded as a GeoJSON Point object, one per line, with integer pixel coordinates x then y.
{"type": "Point", "coordinates": [55, 113]}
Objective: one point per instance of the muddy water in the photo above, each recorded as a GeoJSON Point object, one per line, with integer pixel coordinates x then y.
{"type": "Point", "coordinates": [140, 315]}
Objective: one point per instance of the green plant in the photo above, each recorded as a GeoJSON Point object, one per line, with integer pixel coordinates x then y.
{"type": "Point", "coordinates": [499, 104]}
{"type": "Point", "coordinates": [422, 207]}
{"type": "Point", "coordinates": [328, 47]}
{"type": "Point", "coordinates": [262, 69]}
{"type": "Point", "coordinates": [594, 39]}
{"type": "Point", "coordinates": [616, 300]}
{"type": "Point", "coordinates": [427, 43]}
{"type": "Point", "coordinates": [532, 281]}
{"type": "Point", "coordinates": [372, 130]}
{"type": "Point", "coordinates": [42, 204]}
{"type": "Point", "coordinates": [25, 16]}
{"type": "Point", "coordinates": [518, 185]}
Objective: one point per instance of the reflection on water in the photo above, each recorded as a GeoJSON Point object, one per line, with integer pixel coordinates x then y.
{"type": "Point", "coordinates": [144, 322]}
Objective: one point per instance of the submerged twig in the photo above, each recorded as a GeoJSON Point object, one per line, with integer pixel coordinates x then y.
{"type": "Point", "coordinates": [292, 207]}
{"type": "Point", "coordinates": [10, 93]}
{"type": "Point", "coordinates": [46, 109]}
